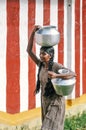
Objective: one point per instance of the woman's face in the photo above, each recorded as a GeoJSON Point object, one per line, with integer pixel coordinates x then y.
{"type": "Point", "coordinates": [44, 56]}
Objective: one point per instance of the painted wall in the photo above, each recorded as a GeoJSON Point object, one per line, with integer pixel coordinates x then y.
{"type": "Point", "coordinates": [17, 70]}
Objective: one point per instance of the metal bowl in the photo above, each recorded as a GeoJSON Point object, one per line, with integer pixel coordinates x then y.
{"type": "Point", "coordinates": [47, 36]}
{"type": "Point", "coordinates": [63, 87]}
{"type": "Point", "coordinates": [63, 71]}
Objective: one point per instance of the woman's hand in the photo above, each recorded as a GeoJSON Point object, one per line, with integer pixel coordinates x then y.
{"type": "Point", "coordinates": [36, 27]}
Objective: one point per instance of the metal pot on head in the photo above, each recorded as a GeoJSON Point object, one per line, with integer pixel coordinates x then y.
{"type": "Point", "coordinates": [47, 36]}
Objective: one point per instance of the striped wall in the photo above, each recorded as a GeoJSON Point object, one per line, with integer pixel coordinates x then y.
{"type": "Point", "coordinates": [17, 70]}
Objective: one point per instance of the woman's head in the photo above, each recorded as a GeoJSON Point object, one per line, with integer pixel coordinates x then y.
{"type": "Point", "coordinates": [46, 53]}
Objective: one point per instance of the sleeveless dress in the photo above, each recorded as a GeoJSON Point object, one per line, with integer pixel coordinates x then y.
{"type": "Point", "coordinates": [53, 109]}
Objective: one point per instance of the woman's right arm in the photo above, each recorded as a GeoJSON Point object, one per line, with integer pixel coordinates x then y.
{"type": "Point", "coordinates": [30, 46]}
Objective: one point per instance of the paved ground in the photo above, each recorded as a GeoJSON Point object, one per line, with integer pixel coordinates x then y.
{"type": "Point", "coordinates": [34, 124]}
{"type": "Point", "coordinates": [31, 120]}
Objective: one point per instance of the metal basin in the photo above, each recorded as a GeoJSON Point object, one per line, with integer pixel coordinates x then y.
{"type": "Point", "coordinates": [47, 36]}
{"type": "Point", "coordinates": [63, 87]}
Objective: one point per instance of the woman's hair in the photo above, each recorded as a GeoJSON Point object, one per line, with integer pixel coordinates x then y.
{"type": "Point", "coordinates": [49, 90]}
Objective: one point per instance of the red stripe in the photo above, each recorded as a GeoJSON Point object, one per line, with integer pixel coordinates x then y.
{"type": "Point", "coordinates": [61, 30]}
{"type": "Point", "coordinates": [84, 45]}
{"type": "Point", "coordinates": [32, 67]}
{"type": "Point", "coordinates": [46, 7]}
{"type": "Point", "coordinates": [12, 58]}
{"type": "Point", "coordinates": [77, 47]}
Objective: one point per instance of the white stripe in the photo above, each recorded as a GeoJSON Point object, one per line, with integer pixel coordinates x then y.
{"type": "Point", "coordinates": [67, 54]}
{"type": "Point", "coordinates": [81, 48]}
{"type": "Point", "coordinates": [54, 21]}
{"type": "Point", "coordinates": [23, 55]}
{"type": "Point", "coordinates": [3, 31]}
{"type": "Point", "coordinates": [73, 43]}
{"type": "Point", "coordinates": [38, 21]}
{"type": "Point", "coordinates": [69, 36]}
{"type": "Point", "coordinates": [39, 13]}
{"type": "Point", "coordinates": [71, 55]}
{"type": "Point", "coordinates": [53, 12]}
{"type": "Point", "coordinates": [65, 33]}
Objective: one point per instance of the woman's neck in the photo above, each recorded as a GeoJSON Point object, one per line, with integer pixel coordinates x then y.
{"type": "Point", "coordinates": [46, 65]}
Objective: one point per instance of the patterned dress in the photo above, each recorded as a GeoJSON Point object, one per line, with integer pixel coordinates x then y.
{"type": "Point", "coordinates": [53, 109]}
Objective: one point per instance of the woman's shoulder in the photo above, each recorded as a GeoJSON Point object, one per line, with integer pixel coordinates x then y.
{"type": "Point", "coordinates": [58, 65]}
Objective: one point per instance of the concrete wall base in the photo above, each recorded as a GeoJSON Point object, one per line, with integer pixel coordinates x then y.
{"type": "Point", "coordinates": [31, 120]}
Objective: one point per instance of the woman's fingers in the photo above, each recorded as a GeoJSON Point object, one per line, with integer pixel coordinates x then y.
{"type": "Point", "coordinates": [37, 27]}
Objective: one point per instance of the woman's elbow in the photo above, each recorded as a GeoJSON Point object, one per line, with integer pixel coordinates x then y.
{"type": "Point", "coordinates": [28, 51]}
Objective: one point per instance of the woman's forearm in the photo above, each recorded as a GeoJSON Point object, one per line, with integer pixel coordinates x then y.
{"type": "Point", "coordinates": [30, 43]}
{"type": "Point", "coordinates": [65, 76]}
{"type": "Point", "coordinates": [52, 74]}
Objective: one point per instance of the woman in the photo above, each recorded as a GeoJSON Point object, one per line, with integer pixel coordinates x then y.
{"type": "Point", "coordinates": [53, 105]}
